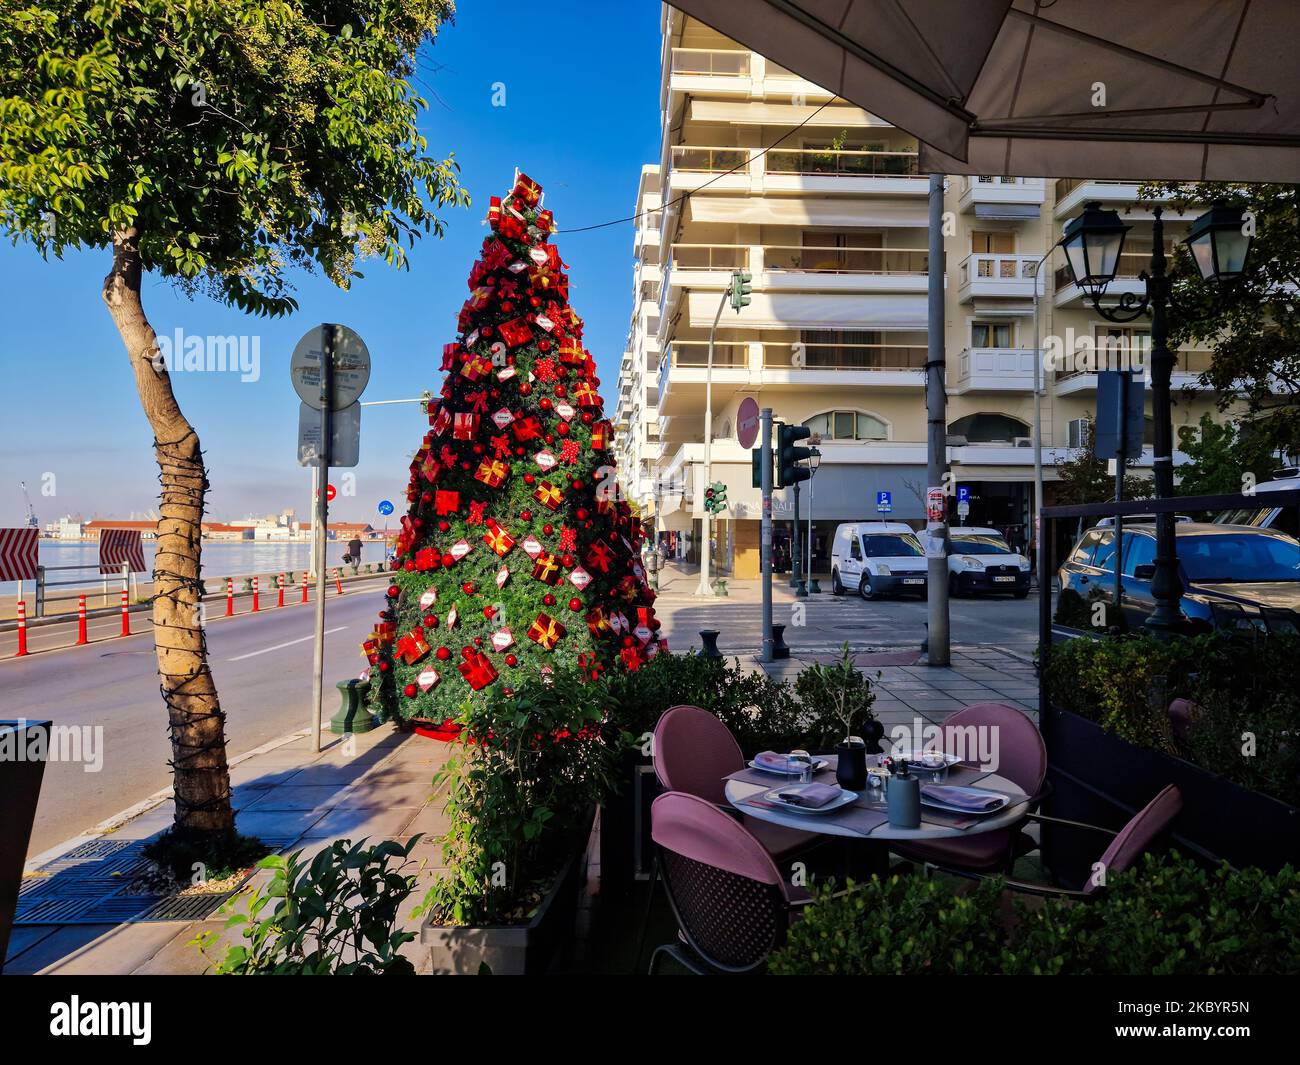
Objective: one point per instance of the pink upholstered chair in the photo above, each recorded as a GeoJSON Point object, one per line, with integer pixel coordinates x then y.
{"type": "Point", "coordinates": [1022, 759]}
{"type": "Point", "coordinates": [731, 903]}
{"type": "Point", "coordinates": [693, 751]}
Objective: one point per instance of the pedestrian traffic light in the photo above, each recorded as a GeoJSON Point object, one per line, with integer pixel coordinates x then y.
{"type": "Point", "coordinates": [715, 497]}
{"type": "Point", "coordinates": [741, 287]}
{"type": "Point", "coordinates": [756, 463]}
{"type": "Point", "coordinates": [789, 456]}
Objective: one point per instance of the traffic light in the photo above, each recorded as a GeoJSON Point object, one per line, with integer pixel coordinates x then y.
{"type": "Point", "coordinates": [715, 498]}
{"type": "Point", "coordinates": [741, 287]}
{"type": "Point", "coordinates": [756, 462]}
{"type": "Point", "coordinates": [789, 456]}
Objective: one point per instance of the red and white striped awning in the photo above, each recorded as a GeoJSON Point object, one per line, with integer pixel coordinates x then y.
{"type": "Point", "coordinates": [1163, 89]}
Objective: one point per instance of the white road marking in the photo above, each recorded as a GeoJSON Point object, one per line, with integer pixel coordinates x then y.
{"type": "Point", "coordinates": [279, 646]}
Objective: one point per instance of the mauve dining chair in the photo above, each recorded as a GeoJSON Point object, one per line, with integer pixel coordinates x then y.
{"type": "Point", "coordinates": [693, 752]}
{"type": "Point", "coordinates": [1022, 759]}
{"type": "Point", "coordinates": [731, 904]}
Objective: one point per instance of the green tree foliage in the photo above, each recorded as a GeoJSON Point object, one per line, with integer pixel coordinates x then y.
{"type": "Point", "coordinates": [1223, 455]}
{"type": "Point", "coordinates": [1084, 478]}
{"type": "Point", "coordinates": [1253, 325]}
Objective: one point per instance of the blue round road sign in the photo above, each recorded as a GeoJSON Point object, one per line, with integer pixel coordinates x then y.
{"type": "Point", "coordinates": [385, 507]}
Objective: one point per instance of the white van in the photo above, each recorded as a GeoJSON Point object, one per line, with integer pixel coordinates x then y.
{"type": "Point", "coordinates": [1266, 515]}
{"type": "Point", "coordinates": [876, 558]}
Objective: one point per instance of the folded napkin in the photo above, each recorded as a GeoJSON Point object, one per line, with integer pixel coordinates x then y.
{"type": "Point", "coordinates": [772, 760]}
{"type": "Point", "coordinates": [811, 795]}
{"type": "Point", "coordinates": [962, 797]}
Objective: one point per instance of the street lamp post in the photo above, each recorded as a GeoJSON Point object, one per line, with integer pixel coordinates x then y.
{"type": "Point", "coordinates": [1220, 245]}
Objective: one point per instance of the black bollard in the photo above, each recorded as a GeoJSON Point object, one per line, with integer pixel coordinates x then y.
{"type": "Point", "coordinates": [710, 639]}
{"type": "Point", "coordinates": [780, 649]}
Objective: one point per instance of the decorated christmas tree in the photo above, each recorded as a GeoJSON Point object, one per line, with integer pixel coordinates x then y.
{"type": "Point", "coordinates": [518, 554]}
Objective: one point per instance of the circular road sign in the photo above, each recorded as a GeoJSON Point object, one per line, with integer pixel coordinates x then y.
{"type": "Point", "coordinates": [385, 507]}
{"type": "Point", "coordinates": [351, 367]}
{"type": "Point", "coordinates": [330, 492]}
{"type": "Point", "coordinates": [747, 422]}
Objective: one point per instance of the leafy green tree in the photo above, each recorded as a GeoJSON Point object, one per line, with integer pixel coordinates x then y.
{"type": "Point", "coordinates": [1085, 478]}
{"type": "Point", "coordinates": [1223, 455]}
{"type": "Point", "coordinates": [215, 144]}
{"type": "Point", "coordinates": [1252, 326]}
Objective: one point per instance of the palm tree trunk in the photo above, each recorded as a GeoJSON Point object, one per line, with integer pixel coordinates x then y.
{"type": "Point", "coordinates": [196, 721]}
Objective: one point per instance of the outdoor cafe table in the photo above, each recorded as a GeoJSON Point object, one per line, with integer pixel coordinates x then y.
{"type": "Point", "coordinates": [868, 817]}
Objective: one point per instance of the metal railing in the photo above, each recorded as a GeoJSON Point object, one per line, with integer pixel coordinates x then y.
{"type": "Point", "coordinates": [1124, 353]}
{"type": "Point", "coordinates": [885, 356]}
{"type": "Point", "coordinates": [806, 259]}
{"type": "Point", "coordinates": [1004, 266]}
{"type": "Point", "coordinates": [708, 160]}
{"type": "Point", "coordinates": [844, 161]}
{"type": "Point", "coordinates": [695, 353]}
{"type": "Point", "coordinates": [711, 256]}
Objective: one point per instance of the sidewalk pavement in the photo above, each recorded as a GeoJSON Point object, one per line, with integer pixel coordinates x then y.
{"type": "Point", "coordinates": [78, 913]}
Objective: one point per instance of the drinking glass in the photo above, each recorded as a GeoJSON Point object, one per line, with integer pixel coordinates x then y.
{"type": "Point", "coordinates": [802, 761]}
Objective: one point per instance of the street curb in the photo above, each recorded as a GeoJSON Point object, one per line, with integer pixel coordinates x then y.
{"type": "Point", "coordinates": [117, 820]}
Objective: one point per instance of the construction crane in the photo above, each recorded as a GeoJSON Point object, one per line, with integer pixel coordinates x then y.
{"type": "Point", "coordinates": [32, 523]}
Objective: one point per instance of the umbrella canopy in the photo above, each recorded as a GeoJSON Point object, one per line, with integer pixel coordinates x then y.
{"type": "Point", "coordinates": [1176, 89]}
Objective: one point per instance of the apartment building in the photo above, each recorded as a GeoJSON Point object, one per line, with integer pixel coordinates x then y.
{"type": "Point", "coordinates": [831, 220]}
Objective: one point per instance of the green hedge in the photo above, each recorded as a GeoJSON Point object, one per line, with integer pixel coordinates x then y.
{"type": "Point", "coordinates": [1245, 685]}
{"type": "Point", "coordinates": [1167, 917]}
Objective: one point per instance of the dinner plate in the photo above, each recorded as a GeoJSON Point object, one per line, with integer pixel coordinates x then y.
{"type": "Point", "coordinates": [818, 766]}
{"type": "Point", "coordinates": [845, 798]}
{"type": "Point", "coordinates": [914, 760]}
{"type": "Point", "coordinates": [926, 801]}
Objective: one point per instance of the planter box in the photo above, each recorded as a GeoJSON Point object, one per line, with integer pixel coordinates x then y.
{"type": "Point", "coordinates": [626, 851]}
{"type": "Point", "coordinates": [513, 949]}
{"type": "Point", "coordinates": [20, 787]}
{"type": "Point", "coordinates": [1102, 779]}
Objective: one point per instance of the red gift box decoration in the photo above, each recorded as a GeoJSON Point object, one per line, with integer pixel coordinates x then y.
{"type": "Point", "coordinates": [528, 190]}
{"type": "Point", "coordinates": [599, 556]}
{"type": "Point", "coordinates": [449, 353]}
{"type": "Point", "coordinates": [477, 669]}
{"type": "Point", "coordinates": [465, 426]}
{"type": "Point", "coordinates": [412, 647]}
{"type": "Point", "coordinates": [548, 495]}
{"type": "Point", "coordinates": [441, 421]}
{"type": "Point", "coordinates": [602, 433]}
{"type": "Point", "coordinates": [570, 351]}
{"type": "Point", "coordinates": [528, 428]}
{"type": "Point", "coordinates": [494, 212]}
{"type": "Point", "coordinates": [546, 568]}
{"type": "Point", "coordinates": [446, 502]}
{"type": "Point", "coordinates": [546, 631]}
{"type": "Point", "coordinates": [545, 221]}
{"type": "Point", "coordinates": [515, 332]}
{"type": "Point", "coordinates": [586, 395]}
{"type": "Point", "coordinates": [426, 558]}
{"type": "Point", "coordinates": [492, 472]}
{"type": "Point", "coordinates": [476, 368]}
{"type": "Point", "coordinates": [497, 538]}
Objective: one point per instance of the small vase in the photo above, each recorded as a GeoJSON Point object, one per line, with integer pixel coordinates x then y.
{"type": "Point", "coordinates": [851, 764]}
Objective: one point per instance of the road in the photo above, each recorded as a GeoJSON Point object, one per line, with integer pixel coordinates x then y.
{"type": "Point", "coordinates": [828, 621]}
{"type": "Point", "coordinates": [262, 666]}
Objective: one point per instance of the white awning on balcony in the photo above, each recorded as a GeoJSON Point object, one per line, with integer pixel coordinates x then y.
{"type": "Point", "coordinates": [1183, 89]}
{"type": "Point", "coordinates": [1002, 308]}
{"type": "Point", "coordinates": [803, 211]}
{"type": "Point", "coordinates": [1006, 212]}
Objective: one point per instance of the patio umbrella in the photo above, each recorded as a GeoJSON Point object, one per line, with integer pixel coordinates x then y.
{"type": "Point", "coordinates": [1179, 89]}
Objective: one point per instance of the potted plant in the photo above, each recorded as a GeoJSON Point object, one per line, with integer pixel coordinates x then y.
{"type": "Point", "coordinates": [1112, 744]}
{"type": "Point", "coordinates": [521, 791]}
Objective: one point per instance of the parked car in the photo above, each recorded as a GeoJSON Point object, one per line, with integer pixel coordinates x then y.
{"type": "Point", "coordinates": [981, 560]}
{"type": "Point", "coordinates": [1266, 515]}
{"type": "Point", "coordinates": [877, 558]}
{"type": "Point", "coordinates": [1231, 567]}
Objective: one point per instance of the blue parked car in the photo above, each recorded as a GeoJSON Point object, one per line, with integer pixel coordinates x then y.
{"type": "Point", "coordinates": [1235, 569]}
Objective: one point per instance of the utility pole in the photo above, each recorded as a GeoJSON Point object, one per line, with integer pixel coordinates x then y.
{"type": "Point", "coordinates": [936, 386]}
{"type": "Point", "coordinates": [706, 518]}
{"type": "Point", "coordinates": [321, 526]}
{"type": "Point", "coordinates": [765, 533]}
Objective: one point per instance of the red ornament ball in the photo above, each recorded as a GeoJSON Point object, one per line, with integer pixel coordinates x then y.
{"type": "Point", "coordinates": [426, 497]}
{"type": "Point", "coordinates": [383, 667]}
{"type": "Point", "coordinates": [443, 654]}
{"type": "Point", "coordinates": [562, 428]}
{"type": "Point", "coordinates": [548, 599]}
{"type": "Point", "coordinates": [548, 528]}
{"type": "Point", "coordinates": [409, 565]}
{"type": "Point", "coordinates": [468, 587]}
{"type": "Point", "coordinates": [587, 419]}
{"type": "Point", "coordinates": [444, 525]}
{"type": "Point", "coordinates": [430, 621]}
{"type": "Point", "coordinates": [525, 389]}
{"type": "Point", "coordinates": [567, 560]}
{"type": "Point", "coordinates": [543, 345]}
{"type": "Point", "coordinates": [549, 438]}
{"type": "Point", "coordinates": [581, 513]}
{"type": "Point", "coordinates": [526, 515]}
{"type": "Point", "coordinates": [478, 641]}
{"type": "Point", "coordinates": [529, 478]}
{"type": "Point", "coordinates": [575, 603]}
{"type": "Point", "coordinates": [448, 560]}
{"type": "Point", "coordinates": [544, 403]}
{"type": "Point", "coordinates": [489, 611]}
{"type": "Point", "coordinates": [394, 591]}
{"type": "Point", "coordinates": [410, 691]}
{"type": "Point", "coordinates": [561, 391]}
{"type": "Point", "coordinates": [576, 483]}
{"type": "Point", "coordinates": [512, 660]}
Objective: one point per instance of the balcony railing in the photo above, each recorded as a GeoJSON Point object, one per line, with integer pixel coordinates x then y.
{"type": "Point", "coordinates": [1192, 361]}
{"type": "Point", "coordinates": [1130, 266]}
{"type": "Point", "coordinates": [716, 61]}
{"type": "Point", "coordinates": [845, 260]}
{"type": "Point", "coordinates": [1064, 186]}
{"type": "Point", "coordinates": [709, 160]}
{"type": "Point", "coordinates": [856, 163]}
{"type": "Point", "coordinates": [710, 256]}
{"type": "Point", "coordinates": [989, 265]}
{"type": "Point", "coordinates": [695, 353]}
{"type": "Point", "coordinates": [883, 356]}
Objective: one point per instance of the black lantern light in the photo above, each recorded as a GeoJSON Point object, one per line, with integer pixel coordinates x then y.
{"type": "Point", "coordinates": [1093, 243]}
{"type": "Point", "coordinates": [1220, 242]}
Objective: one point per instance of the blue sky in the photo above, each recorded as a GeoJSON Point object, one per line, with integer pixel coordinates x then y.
{"type": "Point", "coordinates": [581, 117]}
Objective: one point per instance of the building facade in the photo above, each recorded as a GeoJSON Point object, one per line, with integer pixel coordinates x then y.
{"type": "Point", "coordinates": [824, 205]}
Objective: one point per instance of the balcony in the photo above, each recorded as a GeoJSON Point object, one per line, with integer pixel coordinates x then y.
{"type": "Point", "coordinates": [891, 364]}
{"type": "Point", "coordinates": [1127, 280]}
{"type": "Point", "coordinates": [1188, 367]}
{"type": "Point", "coordinates": [732, 169]}
{"type": "Point", "coordinates": [683, 373]}
{"type": "Point", "coordinates": [995, 370]}
{"type": "Point", "coordinates": [985, 197]}
{"type": "Point", "coordinates": [1073, 193]}
{"type": "Point", "coordinates": [993, 276]}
